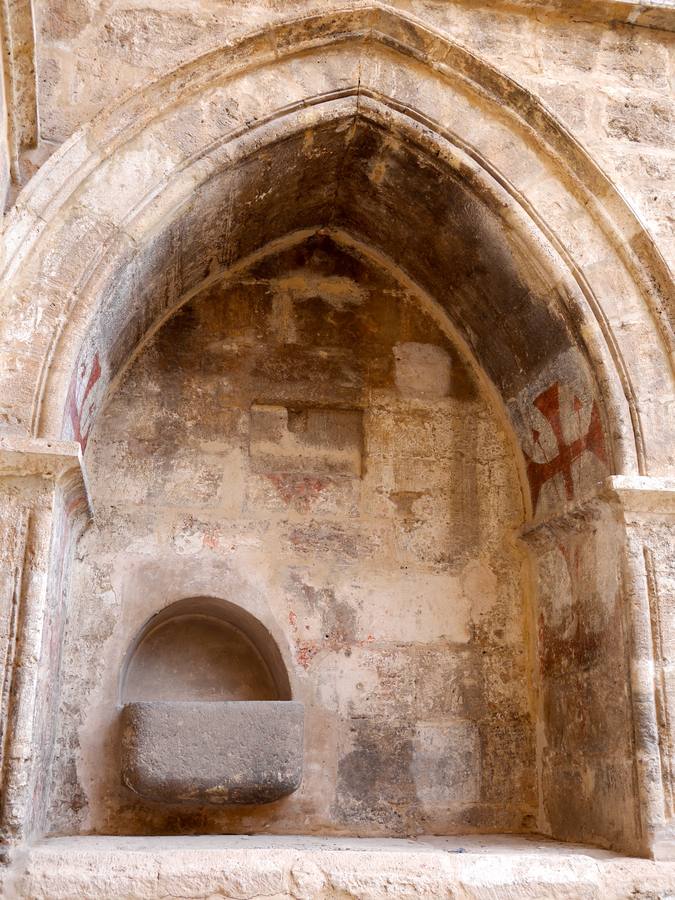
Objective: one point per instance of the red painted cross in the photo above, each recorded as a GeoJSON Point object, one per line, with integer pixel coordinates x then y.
{"type": "Point", "coordinates": [538, 473]}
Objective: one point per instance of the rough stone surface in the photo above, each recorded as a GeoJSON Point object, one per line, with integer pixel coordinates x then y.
{"type": "Point", "coordinates": [222, 753]}
{"type": "Point", "coordinates": [365, 523]}
{"type": "Point", "coordinates": [559, 53]}
{"type": "Point", "coordinates": [322, 869]}
{"type": "Point", "coordinates": [361, 316]}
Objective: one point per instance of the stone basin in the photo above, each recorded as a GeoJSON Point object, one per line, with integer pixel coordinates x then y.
{"type": "Point", "coordinates": [219, 753]}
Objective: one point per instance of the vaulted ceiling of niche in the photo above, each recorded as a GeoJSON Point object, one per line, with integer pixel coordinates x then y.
{"type": "Point", "coordinates": [355, 176]}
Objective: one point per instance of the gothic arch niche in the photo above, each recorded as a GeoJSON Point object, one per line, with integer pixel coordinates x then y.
{"type": "Point", "coordinates": [307, 438]}
{"type": "Point", "coordinates": [528, 255]}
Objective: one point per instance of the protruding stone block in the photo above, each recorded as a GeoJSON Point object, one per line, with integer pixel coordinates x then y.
{"type": "Point", "coordinates": [220, 753]}
{"type": "Point", "coordinates": [422, 370]}
{"type": "Point", "coordinates": [322, 441]}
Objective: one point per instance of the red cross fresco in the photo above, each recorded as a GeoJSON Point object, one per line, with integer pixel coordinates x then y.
{"type": "Point", "coordinates": [538, 473]}
{"type": "Point", "coordinates": [77, 410]}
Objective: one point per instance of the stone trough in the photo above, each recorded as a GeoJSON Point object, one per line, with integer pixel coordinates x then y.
{"type": "Point", "coordinates": [219, 752]}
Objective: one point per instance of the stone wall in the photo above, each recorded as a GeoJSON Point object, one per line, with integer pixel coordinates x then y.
{"type": "Point", "coordinates": [306, 442]}
{"type": "Point", "coordinates": [306, 439]}
{"type": "Point", "coordinates": [5, 163]}
{"type": "Point", "coordinates": [606, 78]}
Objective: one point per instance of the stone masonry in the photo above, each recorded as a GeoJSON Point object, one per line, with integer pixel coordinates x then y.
{"type": "Point", "coordinates": [337, 448]}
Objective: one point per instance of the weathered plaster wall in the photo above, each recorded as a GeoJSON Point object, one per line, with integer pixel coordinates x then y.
{"type": "Point", "coordinates": [609, 82]}
{"type": "Point", "coordinates": [582, 406]}
{"type": "Point", "coordinates": [584, 712]}
{"type": "Point", "coordinates": [4, 142]}
{"type": "Point", "coordinates": [307, 443]}
{"type": "Point", "coordinates": [45, 508]}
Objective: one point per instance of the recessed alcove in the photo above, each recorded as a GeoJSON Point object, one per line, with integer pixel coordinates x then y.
{"type": "Point", "coordinates": [337, 371]}
{"type": "Point", "coordinates": [207, 717]}
{"type": "Point", "coordinates": [308, 441]}
{"type": "Point", "coordinates": [349, 329]}
{"type": "Point", "coordinates": [203, 649]}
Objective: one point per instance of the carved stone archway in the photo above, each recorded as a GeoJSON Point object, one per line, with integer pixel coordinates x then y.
{"type": "Point", "coordinates": [383, 133]}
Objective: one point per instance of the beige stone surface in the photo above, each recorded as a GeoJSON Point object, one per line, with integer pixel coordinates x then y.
{"type": "Point", "coordinates": [310, 868]}
{"type": "Point", "coordinates": [611, 85]}
{"type": "Point", "coordinates": [365, 524]}
{"type": "Point", "coordinates": [361, 317]}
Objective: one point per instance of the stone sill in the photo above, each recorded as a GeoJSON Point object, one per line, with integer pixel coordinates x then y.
{"type": "Point", "coordinates": [283, 867]}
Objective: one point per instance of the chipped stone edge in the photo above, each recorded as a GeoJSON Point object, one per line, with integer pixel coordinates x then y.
{"type": "Point", "coordinates": [62, 461]}
{"type": "Point", "coordinates": [632, 494]}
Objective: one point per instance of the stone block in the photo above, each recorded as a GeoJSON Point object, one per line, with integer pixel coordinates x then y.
{"type": "Point", "coordinates": [215, 753]}
{"type": "Point", "coordinates": [308, 440]}
{"type": "Point", "coordinates": [282, 492]}
{"type": "Point", "coordinates": [508, 762]}
{"type": "Point", "coordinates": [641, 119]}
{"type": "Point", "coordinates": [444, 763]}
{"type": "Point", "coordinates": [449, 684]}
{"type": "Point", "coordinates": [375, 788]}
{"type": "Point", "coordinates": [371, 682]}
{"type": "Point", "coordinates": [429, 606]}
{"type": "Point", "coordinates": [343, 543]}
{"type": "Point", "coordinates": [422, 370]}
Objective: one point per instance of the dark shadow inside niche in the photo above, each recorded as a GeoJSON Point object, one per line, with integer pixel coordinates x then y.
{"type": "Point", "coordinates": [203, 649]}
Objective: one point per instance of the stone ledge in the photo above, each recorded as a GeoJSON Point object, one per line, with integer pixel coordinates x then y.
{"type": "Point", "coordinates": [630, 494]}
{"type": "Point", "coordinates": [305, 868]}
{"type": "Point", "coordinates": [25, 457]}
{"type": "Point", "coordinates": [21, 456]}
{"type": "Point", "coordinates": [642, 494]}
